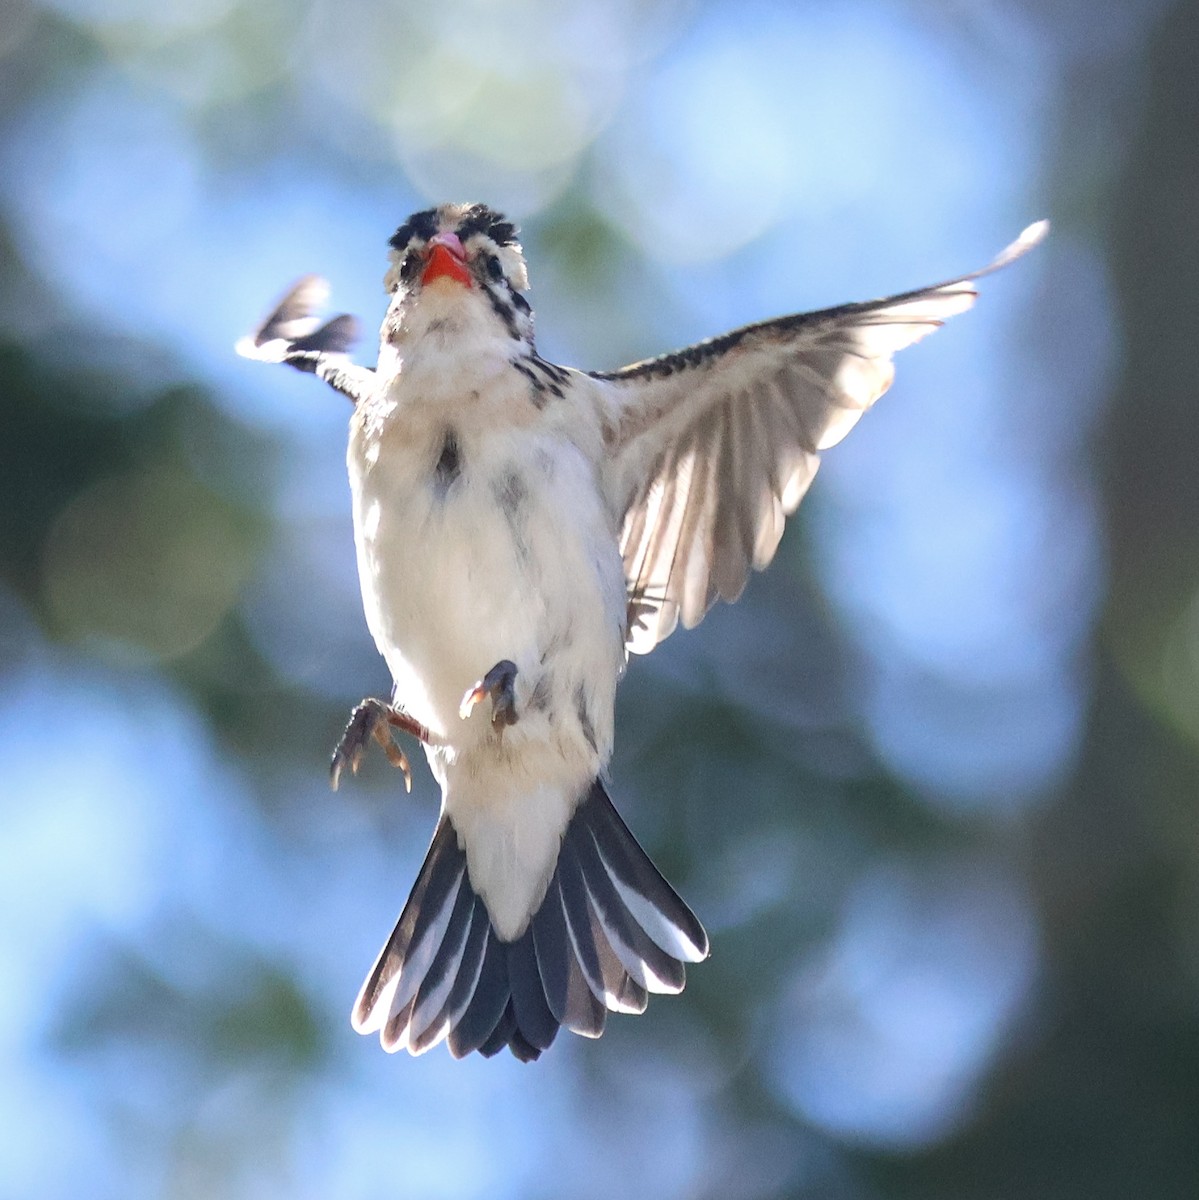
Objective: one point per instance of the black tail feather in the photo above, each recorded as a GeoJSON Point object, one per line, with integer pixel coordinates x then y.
{"type": "Point", "coordinates": [645, 961]}
{"type": "Point", "coordinates": [533, 1016]}
{"type": "Point", "coordinates": [600, 964]}
{"type": "Point", "coordinates": [442, 867]}
{"type": "Point", "coordinates": [432, 997]}
{"type": "Point", "coordinates": [486, 1006]}
{"type": "Point", "coordinates": [396, 1023]}
{"type": "Point", "coordinates": [609, 930]}
{"type": "Point", "coordinates": [567, 992]}
{"type": "Point", "coordinates": [659, 908]}
{"type": "Point", "coordinates": [466, 980]}
{"type": "Point", "coordinates": [501, 1035]}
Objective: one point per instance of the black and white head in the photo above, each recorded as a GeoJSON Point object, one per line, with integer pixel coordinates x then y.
{"type": "Point", "coordinates": [467, 245]}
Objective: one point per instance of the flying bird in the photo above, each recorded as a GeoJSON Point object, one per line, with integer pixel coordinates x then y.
{"type": "Point", "coordinates": [520, 528]}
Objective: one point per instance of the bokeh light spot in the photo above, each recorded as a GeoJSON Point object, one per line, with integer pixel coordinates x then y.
{"type": "Point", "coordinates": [145, 564]}
{"type": "Point", "coordinates": [888, 1031]}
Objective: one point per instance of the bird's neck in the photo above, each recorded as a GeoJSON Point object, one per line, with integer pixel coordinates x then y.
{"type": "Point", "coordinates": [447, 325]}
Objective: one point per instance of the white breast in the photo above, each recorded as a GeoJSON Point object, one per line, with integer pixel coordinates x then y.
{"type": "Point", "coordinates": [506, 552]}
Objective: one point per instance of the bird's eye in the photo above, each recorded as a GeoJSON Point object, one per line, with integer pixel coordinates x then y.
{"type": "Point", "coordinates": [409, 265]}
{"type": "Point", "coordinates": [493, 267]}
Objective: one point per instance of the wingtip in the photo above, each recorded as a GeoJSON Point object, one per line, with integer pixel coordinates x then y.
{"type": "Point", "coordinates": [289, 320]}
{"type": "Point", "coordinates": [249, 347]}
{"type": "Point", "coordinates": [1031, 236]}
{"type": "Point", "coordinates": [334, 337]}
{"type": "Point", "coordinates": [1034, 233]}
{"type": "Point", "coordinates": [304, 297]}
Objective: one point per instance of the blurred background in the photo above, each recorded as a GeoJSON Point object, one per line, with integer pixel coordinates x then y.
{"type": "Point", "coordinates": [933, 784]}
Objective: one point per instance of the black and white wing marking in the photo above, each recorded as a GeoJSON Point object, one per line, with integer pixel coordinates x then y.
{"type": "Point", "coordinates": [291, 334]}
{"type": "Point", "coordinates": [710, 448]}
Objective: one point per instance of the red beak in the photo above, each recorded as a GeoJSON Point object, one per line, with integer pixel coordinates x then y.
{"type": "Point", "coordinates": [447, 259]}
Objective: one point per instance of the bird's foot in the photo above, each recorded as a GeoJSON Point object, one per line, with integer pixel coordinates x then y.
{"type": "Point", "coordinates": [500, 684]}
{"type": "Point", "coordinates": [374, 719]}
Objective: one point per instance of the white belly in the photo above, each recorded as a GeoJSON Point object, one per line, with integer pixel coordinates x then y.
{"type": "Point", "coordinates": [509, 556]}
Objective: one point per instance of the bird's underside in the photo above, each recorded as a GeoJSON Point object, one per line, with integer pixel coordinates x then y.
{"type": "Point", "coordinates": [535, 908]}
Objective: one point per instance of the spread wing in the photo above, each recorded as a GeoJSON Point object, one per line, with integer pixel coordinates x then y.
{"type": "Point", "coordinates": [709, 449]}
{"type": "Point", "coordinates": [291, 334]}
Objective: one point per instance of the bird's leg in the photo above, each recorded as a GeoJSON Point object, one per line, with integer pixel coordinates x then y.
{"type": "Point", "coordinates": [374, 719]}
{"type": "Point", "coordinates": [500, 684]}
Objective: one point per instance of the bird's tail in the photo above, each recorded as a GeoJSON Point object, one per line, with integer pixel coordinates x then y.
{"type": "Point", "coordinates": [609, 931]}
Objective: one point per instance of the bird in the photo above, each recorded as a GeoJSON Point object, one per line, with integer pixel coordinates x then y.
{"type": "Point", "coordinates": [521, 527]}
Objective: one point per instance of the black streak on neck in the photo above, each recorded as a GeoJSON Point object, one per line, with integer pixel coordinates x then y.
{"type": "Point", "coordinates": [504, 311]}
{"type": "Point", "coordinates": [537, 394]}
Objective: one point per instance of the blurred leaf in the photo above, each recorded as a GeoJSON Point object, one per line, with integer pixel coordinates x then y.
{"type": "Point", "coordinates": [210, 1005]}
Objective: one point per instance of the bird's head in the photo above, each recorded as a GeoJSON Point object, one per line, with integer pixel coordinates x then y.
{"type": "Point", "coordinates": [466, 252]}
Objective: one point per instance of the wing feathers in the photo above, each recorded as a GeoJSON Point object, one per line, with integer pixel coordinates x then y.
{"type": "Point", "coordinates": [710, 447]}
{"type": "Point", "coordinates": [291, 334]}
{"type": "Point", "coordinates": [290, 320]}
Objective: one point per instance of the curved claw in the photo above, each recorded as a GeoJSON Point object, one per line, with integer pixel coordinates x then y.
{"type": "Point", "coordinates": [473, 696]}
{"type": "Point", "coordinates": [395, 756]}
{"type": "Point", "coordinates": [500, 684]}
{"type": "Point", "coordinates": [372, 719]}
